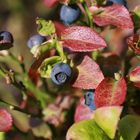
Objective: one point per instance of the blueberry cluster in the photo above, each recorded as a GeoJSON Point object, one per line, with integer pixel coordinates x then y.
{"type": "Point", "coordinates": [35, 40]}
{"type": "Point", "coordinates": [61, 73]}
{"type": "Point", "coordinates": [69, 13]}
{"type": "Point", "coordinates": [89, 100]}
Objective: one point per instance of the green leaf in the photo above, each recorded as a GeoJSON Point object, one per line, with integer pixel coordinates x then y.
{"type": "Point", "coordinates": [2, 137]}
{"type": "Point", "coordinates": [4, 105]}
{"type": "Point", "coordinates": [45, 27]}
{"type": "Point", "coordinates": [12, 96]}
{"type": "Point", "coordinates": [136, 17]}
{"type": "Point", "coordinates": [137, 11]}
{"type": "Point", "coordinates": [46, 66]}
{"type": "Point", "coordinates": [39, 94]}
{"type": "Point", "coordinates": [34, 49]}
{"type": "Point", "coordinates": [86, 130]}
{"type": "Point", "coordinates": [129, 127]}
{"type": "Point", "coordinates": [21, 120]}
{"type": "Point", "coordinates": [43, 48]}
{"type": "Point", "coordinates": [107, 118]}
{"type": "Point", "coordinates": [59, 49]}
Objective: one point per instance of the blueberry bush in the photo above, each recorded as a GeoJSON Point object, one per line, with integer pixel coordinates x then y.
{"type": "Point", "coordinates": [84, 80]}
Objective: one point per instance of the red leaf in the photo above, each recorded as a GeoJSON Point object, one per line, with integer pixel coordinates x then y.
{"type": "Point", "coordinates": [82, 39]}
{"type": "Point", "coordinates": [110, 92]}
{"type": "Point", "coordinates": [34, 75]}
{"type": "Point", "coordinates": [89, 75]}
{"type": "Point", "coordinates": [83, 112]}
{"type": "Point", "coordinates": [134, 76]}
{"type": "Point", "coordinates": [116, 15]}
{"type": "Point", "coordinates": [137, 84]}
{"type": "Point", "coordinates": [134, 43]}
{"type": "Point", "coordinates": [5, 121]}
{"type": "Point", "coordinates": [59, 27]}
{"type": "Point", "coordinates": [50, 3]}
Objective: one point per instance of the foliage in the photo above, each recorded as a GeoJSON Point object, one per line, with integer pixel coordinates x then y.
{"type": "Point", "coordinates": [89, 55]}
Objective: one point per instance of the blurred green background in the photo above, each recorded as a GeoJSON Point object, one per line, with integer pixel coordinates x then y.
{"type": "Point", "coordinates": [18, 17]}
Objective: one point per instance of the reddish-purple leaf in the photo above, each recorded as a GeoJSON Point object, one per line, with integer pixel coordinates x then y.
{"type": "Point", "coordinates": [89, 74]}
{"type": "Point", "coordinates": [134, 43]}
{"type": "Point", "coordinates": [59, 27]}
{"type": "Point", "coordinates": [137, 84]}
{"type": "Point", "coordinates": [134, 76]}
{"type": "Point", "coordinates": [50, 3]}
{"type": "Point", "coordinates": [82, 39]}
{"type": "Point", "coordinates": [110, 92]}
{"type": "Point", "coordinates": [34, 75]}
{"type": "Point", "coordinates": [83, 112]}
{"type": "Point", "coordinates": [5, 121]}
{"type": "Point", "coordinates": [116, 15]}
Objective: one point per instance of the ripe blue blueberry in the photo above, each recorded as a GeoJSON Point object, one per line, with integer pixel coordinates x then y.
{"type": "Point", "coordinates": [35, 40]}
{"type": "Point", "coordinates": [6, 37]}
{"type": "Point", "coordinates": [89, 100]}
{"type": "Point", "coordinates": [61, 73]}
{"type": "Point", "coordinates": [110, 2]}
{"type": "Point", "coordinates": [69, 13]}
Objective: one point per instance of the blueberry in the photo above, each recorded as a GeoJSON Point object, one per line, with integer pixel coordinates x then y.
{"type": "Point", "coordinates": [35, 40]}
{"type": "Point", "coordinates": [89, 100]}
{"type": "Point", "coordinates": [61, 73]}
{"type": "Point", "coordinates": [69, 13]}
{"type": "Point", "coordinates": [6, 37]}
{"type": "Point", "coordinates": [111, 2]}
